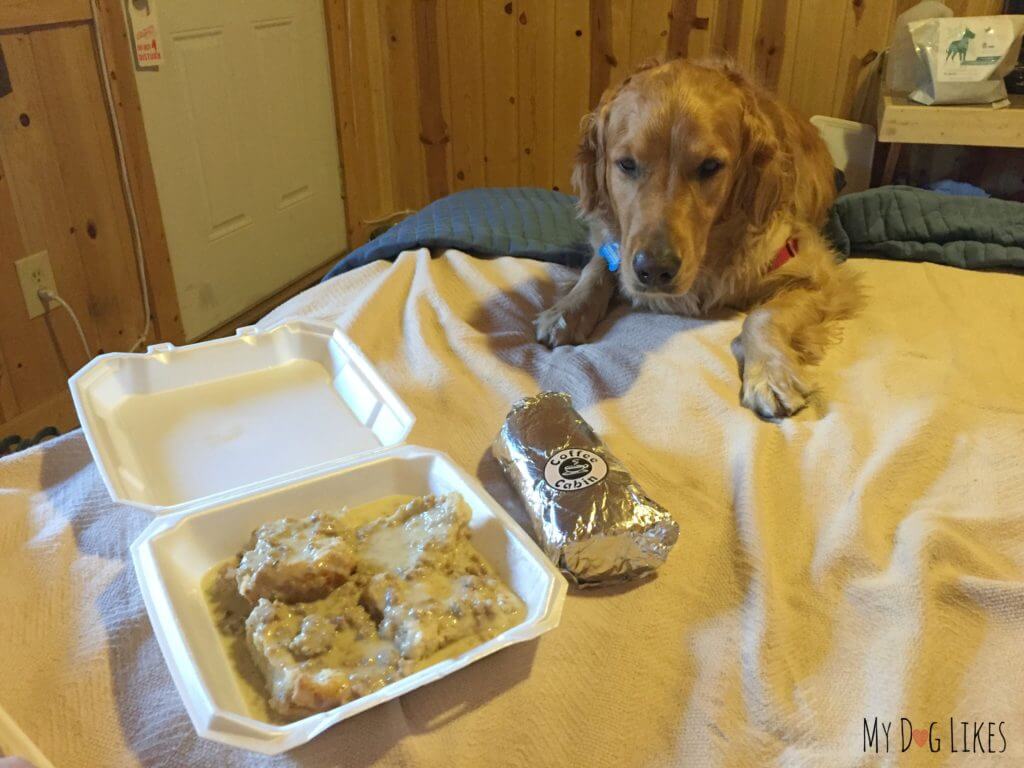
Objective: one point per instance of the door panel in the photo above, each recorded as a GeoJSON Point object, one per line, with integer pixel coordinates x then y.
{"type": "Point", "coordinates": [241, 131]}
{"type": "Point", "coordinates": [211, 127]}
{"type": "Point", "coordinates": [280, 68]}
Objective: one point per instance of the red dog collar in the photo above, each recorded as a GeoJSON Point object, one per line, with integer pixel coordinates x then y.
{"type": "Point", "coordinates": [788, 251]}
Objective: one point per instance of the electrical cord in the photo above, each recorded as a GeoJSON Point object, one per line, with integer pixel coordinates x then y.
{"type": "Point", "coordinates": [125, 185]}
{"type": "Point", "coordinates": [14, 441]}
{"type": "Point", "coordinates": [47, 296]}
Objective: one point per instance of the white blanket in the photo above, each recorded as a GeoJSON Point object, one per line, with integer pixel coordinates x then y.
{"type": "Point", "coordinates": [864, 559]}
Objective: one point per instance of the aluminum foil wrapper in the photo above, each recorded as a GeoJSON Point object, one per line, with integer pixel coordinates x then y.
{"type": "Point", "coordinates": [588, 515]}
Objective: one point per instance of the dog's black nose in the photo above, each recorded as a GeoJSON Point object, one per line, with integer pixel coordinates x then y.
{"type": "Point", "coordinates": [655, 269]}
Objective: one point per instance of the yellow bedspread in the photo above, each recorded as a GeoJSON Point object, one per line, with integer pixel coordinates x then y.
{"type": "Point", "coordinates": [862, 560]}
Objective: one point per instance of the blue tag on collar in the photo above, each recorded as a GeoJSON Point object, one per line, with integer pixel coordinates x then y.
{"type": "Point", "coordinates": [610, 253]}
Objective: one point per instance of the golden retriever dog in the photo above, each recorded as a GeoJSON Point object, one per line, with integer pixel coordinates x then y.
{"type": "Point", "coordinates": [714, 194]}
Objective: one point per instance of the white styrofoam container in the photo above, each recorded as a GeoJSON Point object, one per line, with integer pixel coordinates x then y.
{"type": "Point", "coordinates": [180, 424]}
{"type": "Point", "coordinates": [175, 551]}
{"type": "Point", "coordinates": [852, 146]}
{"type": "Point", "coordinates": [217, 438]}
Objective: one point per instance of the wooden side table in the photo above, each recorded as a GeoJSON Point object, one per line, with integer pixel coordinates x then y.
{"type": "Point", "coordinates": [901, 121]}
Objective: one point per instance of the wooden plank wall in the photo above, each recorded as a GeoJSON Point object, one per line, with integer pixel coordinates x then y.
{"type": "Point", "coordinates": [432, 96]}
{"type": "Point", "coordinates": [61, 191]}
{"type": "Point", "coordinates": [498, 100]}
{"type": "Point", "coordinates": [29, 13]}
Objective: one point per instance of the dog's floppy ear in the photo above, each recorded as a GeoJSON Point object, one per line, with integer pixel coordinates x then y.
{"type": "Point", "coordinates": [588, 173]}
{"type": "Point", "coordinates": [762, 177]}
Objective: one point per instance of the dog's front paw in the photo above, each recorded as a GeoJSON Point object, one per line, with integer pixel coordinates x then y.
{"type": "Point", "coordinates": [558, 326]}
{"type": "Point", "coordinates": [772, 389]}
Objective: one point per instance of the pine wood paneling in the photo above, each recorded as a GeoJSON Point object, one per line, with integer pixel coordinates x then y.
{"type": "Point", "coordinates": [432, 96]}
{"type": "Point", "coordinates": [775, 37]}
{"type": "Point", "coordinates": [816, 66]}
{"type": "Point", "coordinates": [128, 115]}
{"type": "Point", "coordinates": [866, 25]}
{"type": "Point", "coordinates": [726, 23]}
{"type": "Point", "coordinates": [15, 348]}
{"type": "Point", "coordinates": [44, 348]}
{"type": "Point", "coordinates": [8, 400]}
{"type": "Point", "coordinates": [514, 77]}
{"type": "Point", "coordinates": [535, 58]}
{"type": "Point", "coordinates": [33, 13]}
{"type": "Point", "coordinates": [601, 53]}
{"type": "Point", "coordinates": [684, 20]}
{"type": "Point", "coordinates": [434, 133]}
{"type": "Point", "coordinates": [80, 132]}
{"type": "Point", "coordinates": [621, 59]}
{"type": "Point", "coordinates": [357, 197]}
{"type": "Point", "coordinates": [61, 191]}
{"type": "Point", "coordinates": [465, 70]}
{"type": "Point", "coordinates": [56, 410]}
{"type": "Point", "coordinates": [501, 115]}
{"type": "Point", "coordinates": [974, 7]}
{"type": "Point", "coordinates": [402, 84]}
{"type": "Point", "coordinates": [362, 115]}
{"type": "Point", "coordinates": [572, 50]}
{"type": "Point", "coordinates": [648, 31]}
{"type": "Point", "coordinates": [791, 37]}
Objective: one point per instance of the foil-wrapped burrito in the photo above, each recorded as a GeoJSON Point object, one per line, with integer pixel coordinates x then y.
{"type": "Point", "coordinates": [588, 515]}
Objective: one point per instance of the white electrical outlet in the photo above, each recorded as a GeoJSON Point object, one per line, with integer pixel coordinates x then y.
{"type": "Point", "coordinates": [35, 274]}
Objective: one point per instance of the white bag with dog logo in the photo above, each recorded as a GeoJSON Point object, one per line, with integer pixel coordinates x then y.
{"type": "Point", "coordinates": [964, 60]}
{"type": "Point", "coordinates": [901, 61]}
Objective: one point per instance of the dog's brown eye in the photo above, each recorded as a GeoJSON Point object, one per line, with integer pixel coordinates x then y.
{"type": "Point", "coordinates": [627, 165]}
{"type": "Point", "coordinates": [709, 168]}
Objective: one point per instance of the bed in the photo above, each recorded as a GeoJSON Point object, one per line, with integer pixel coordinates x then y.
{"type": "Point", "coordinates": [862, 560]}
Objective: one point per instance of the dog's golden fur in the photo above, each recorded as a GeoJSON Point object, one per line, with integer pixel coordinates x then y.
{"type": "Point", "coordinates": [771, 179]}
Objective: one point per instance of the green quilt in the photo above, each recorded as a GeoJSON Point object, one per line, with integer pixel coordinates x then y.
{"type": "Point", "coordinates": [889, 222]}
{"type": "Point", "coordinates": [910, 224]}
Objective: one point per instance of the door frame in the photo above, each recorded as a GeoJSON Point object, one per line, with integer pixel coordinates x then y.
{"type": "Point", "coordinates": [113, 27]}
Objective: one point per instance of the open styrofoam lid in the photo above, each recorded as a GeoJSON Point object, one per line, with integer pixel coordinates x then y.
{"type": "Point", "coordinates": [180, 424]}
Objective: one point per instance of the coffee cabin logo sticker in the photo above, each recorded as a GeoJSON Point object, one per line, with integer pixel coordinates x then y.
{"type": "Point", "coordinates": [973, 737]}
{"type": "Point", "coordinates": [149, 51]}
{"type": "Point", "coordinates": [574, 469]}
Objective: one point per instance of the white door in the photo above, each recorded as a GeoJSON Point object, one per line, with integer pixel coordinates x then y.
{"type": "Point", "coordinates": [240, 123]}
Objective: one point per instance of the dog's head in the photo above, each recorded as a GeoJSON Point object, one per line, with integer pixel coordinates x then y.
{"type": "Point", "coordinates": [672, 152]}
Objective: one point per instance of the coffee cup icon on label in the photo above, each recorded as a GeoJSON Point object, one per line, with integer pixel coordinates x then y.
{"type": "Point", "coordinates": [574, 469]}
